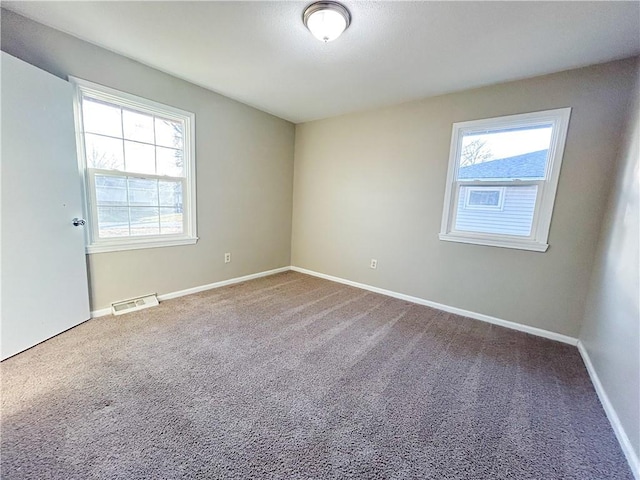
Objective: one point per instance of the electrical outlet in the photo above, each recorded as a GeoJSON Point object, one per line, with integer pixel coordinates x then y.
{"type": "Point", "coordinates": [374, 263]}
{"type": "Point", "coordinates": [227, 258]}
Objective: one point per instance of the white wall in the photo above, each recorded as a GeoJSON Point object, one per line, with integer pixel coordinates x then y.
{"type": "Point", "coordinates": [611, 329]}
{"type": "Point", "coordinates": [371, 185]}
{"type": "Point", "coordinates": [244, 172]}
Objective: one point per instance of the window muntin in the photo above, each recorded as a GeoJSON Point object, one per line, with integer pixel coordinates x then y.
{"type": "Point", "coordinates": [502, 178]}
{"type": "Point", "coordinates": [137, 160]}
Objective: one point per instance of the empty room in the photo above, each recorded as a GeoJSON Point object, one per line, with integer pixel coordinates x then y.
{"type": "Point", "coordinates": [320, 240]}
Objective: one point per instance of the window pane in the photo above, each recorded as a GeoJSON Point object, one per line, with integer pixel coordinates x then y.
{"type": "Point", "coordinates": [170, 162]}
{"type": "Point", "coordinates": [137, 126]}
{"type": "Point", "coordinates": [170, 194]}
{"type": "Point", "coordinates": [111, 191]}
{"type": "Point", "coordinates": [144, 221]}
{"type": "Point", "coordinates": [168, 133]}
{"type": "Point", "coordinates": [170, 220]}
{"type": "Point", "coordinates": [139, 158]}
{"type": "Point", "coordinates": [104, 152]}
{"type": "Point", "coordinates": [143, 192]}
{"type": "Point", "coordinates": [100, 117]}
{"type": "Point", "coordinates": [505, 154]}
{"type": "Point", "coordinates": [514, 217]}
{"type": "Point", "coordinates": [484, 199]}
{"type": "Point", "coordinates": [113, 222]}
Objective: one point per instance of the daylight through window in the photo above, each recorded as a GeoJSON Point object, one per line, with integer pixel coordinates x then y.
{"type": "Point", "coordinates": [503, 174]}
{"type": "Point", "coordinates": [137, 159]}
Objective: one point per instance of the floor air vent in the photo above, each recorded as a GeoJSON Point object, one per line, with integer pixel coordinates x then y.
{"type": "Point", "coordinates": [134, 304]}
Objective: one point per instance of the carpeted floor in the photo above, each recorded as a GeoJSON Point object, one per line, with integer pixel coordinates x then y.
{"type": "Point", "coordinates": [293, 377]}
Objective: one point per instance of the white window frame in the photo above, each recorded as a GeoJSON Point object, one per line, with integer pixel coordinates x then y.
{"type": "Point", "coordinates": [537, 240]}
{"type": "Point", "coordinates": [94, 244]}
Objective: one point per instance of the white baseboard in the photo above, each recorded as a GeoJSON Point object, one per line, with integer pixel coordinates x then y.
{"type": "Point", "coordinates": [102, 312]}
{"type": "Point", "coordinates": [181, 293]}
{"type": "Point", "coordinates": [618, 429]}
{"type": "Point", "coordinates": [458, 311]}
{"type": "Point", "coordinates": [421, 301]}
{"type": "Point", "coordinates": [223, 283]}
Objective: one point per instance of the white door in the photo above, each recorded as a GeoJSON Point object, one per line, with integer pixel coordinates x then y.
{"type": "Point", "coordinates": [44, 288]}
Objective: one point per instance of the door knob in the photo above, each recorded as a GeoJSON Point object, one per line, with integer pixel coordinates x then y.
{"type": "Point", "coordinates": [78, 222]}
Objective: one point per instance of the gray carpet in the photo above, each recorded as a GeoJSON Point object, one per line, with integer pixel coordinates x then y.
{"type": "Point", "coordinates": [293, 377]}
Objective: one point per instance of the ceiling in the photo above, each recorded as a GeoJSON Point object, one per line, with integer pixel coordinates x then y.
{"type": "Point", "coordinates": [261, 54]}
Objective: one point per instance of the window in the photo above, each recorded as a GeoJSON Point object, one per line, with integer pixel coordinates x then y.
{"type": "Point", "coordinates": [137, 160]}
{"type": "Point", "coordinates": [502, 179]}
{"type": "Point", "coordinates": [483, 198]}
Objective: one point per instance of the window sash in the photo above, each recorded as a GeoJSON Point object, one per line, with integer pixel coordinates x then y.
{"type": "Point", "coordinates": [95, 244]}
{"type": "Point", "coordinates": [545, 198]}
{"type": "Point", "coordinates": [453, 208]}
{"type": "Point", "coordinates": [93, 201]}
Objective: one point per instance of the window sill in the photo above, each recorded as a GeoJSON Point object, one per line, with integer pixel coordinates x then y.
{"type": "Point", "coordinates": [496, 242]}
{"type": "Point", "coordinates": [139, 244]}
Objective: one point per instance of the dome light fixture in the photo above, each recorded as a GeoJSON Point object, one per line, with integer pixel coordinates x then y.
{"type": "Point", "coordinates": [326, 20]}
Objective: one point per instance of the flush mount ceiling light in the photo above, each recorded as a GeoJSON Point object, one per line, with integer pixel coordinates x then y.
{"type": "Point", "coordinates": [326, 20]}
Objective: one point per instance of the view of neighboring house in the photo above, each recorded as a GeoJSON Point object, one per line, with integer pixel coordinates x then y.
{"type": "Point", "coordinates": [505, 209]}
